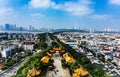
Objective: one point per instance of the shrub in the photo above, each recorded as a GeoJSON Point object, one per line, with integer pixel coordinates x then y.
{"type": "Point", "coordinates": [74, 65]}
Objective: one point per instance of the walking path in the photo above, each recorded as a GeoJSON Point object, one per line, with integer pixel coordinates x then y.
{"type": "Point", "coordinates": [58, 71]}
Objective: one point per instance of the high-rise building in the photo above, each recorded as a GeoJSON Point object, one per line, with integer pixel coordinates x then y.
{"type": "Point", "coordinates": [21, 28]}
{"type": "Point", "coordinates": [14, 27]}
{"type": "Point", "coordinates": [7, 26]}
{"type": "Point", "coordinates": [1, 27]}
{"type": "Point", "coordinates": [31, 28]}
{"type": "Point", "coordinates": [10, 27]}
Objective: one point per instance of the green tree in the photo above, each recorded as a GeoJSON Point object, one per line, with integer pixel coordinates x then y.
{"type": "Point", "coordinates": [85, 60]}
{"type": "Point", "coordinates": [20, 49]}
{"type": "Point", "coordinates": [42, 45]}
{"type": "Point", "coordinates": [98, 71]}
{"type": "Point", "coordinates": [38, 64]}
{"type": "Point", "coordinates": [101, 57]}
{"type": "Point", "coordinates": [24, 71]}
{"type": "Point", "coordinates": [74, 65]}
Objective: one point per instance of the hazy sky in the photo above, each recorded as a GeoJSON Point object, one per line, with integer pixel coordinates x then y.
{"type": "Point", "coordinates": [98, 14]}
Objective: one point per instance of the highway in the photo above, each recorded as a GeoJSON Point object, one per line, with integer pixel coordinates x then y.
{"type": "Point", "coordinates": [11, 71]}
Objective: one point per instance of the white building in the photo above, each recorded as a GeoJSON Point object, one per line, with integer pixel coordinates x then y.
{"type": "Point", "coordinates": [8, 52]}
{"type": "Point", "coordinates": [72, 43]}
{"type": "Point", "coordinates": [28, 45]}
{"type": "Point", "coordinates": [117, 61]}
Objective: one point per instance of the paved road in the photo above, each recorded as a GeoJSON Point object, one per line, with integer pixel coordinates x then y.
{"type": "Point", "coordinates": [11, 70]}
{"type": "Point", "coordinates": [48, 40]}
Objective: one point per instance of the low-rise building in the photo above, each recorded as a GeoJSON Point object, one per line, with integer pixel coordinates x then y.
{"type": "Point", "coordinates": [8, 52]}
{"type": "Point", "coordinates": [28, 45]}
{"type": "Point", "coordinates": [117, 60]}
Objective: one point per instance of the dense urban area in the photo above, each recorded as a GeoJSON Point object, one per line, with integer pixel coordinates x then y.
{"type": "Point", "coordinates": [59, 54]}
{"type": "Point", "coordinates": [59, 38]}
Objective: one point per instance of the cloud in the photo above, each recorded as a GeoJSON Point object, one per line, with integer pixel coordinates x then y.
{"type": "Point", "coordinates": [40, 3]}
{"type": "Point", "coordinates": [79, 7]}
{"type": "Point", "coordinates": [5, 11]}
{"type": "Point", "coordinates": [37, 15]}
{"type": "Point", "coordinates": [115, 2]}
{"type": "Point", "coordinates": [36, 4]}
{"type": "Point", "coordinates": [101, 16]}
{"type": "Point", "coordinates": [7, 15]}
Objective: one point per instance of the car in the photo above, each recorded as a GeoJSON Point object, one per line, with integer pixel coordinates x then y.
{"type": "Point", "coordinates": [111, 67]}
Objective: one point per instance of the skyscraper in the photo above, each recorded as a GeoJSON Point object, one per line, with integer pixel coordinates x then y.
{"type": "Point", "coordinates": [7, 26]}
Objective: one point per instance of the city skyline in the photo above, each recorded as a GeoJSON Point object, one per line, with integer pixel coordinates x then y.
{"type": "Point", "coordinates": [98, 14]}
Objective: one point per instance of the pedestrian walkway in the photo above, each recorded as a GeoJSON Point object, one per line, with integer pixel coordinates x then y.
{"type": "Point", "coordinates": [58, 71]}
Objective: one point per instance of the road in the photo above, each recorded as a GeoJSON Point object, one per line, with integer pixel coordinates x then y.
{"type": "Point", "coordinates": [48, 40]}
{"type": "Point", "coordinates": [11, 70]}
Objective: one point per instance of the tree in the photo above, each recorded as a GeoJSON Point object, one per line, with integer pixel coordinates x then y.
{"type": "Point", "coordinates": [89, 66]}
{"type": "Point", "coordinates": [0, 55]}
{"type": "Point", "coordinates": [42, 45]}
{"type": "Point", "coordinates": [24, 71]}
{"type": "Point", "coordinates": [20, 49]}
{"type": "Point", "coordinates": [64, 65]}
{"type": "Point", "coordinates": [16, 59]}
{"type": "Point", "coordinates": [85, 60]}
{"type": "Point", "coordinates": [101, 57]}
{"type": "Point", "coordinates": [54, 44]}
{"type": "Point", "coordinates": [38, 64]}
{"type": "Point", "coordinates": [74, 65]}
{"type": "Point", "coordinates": [98, 71]}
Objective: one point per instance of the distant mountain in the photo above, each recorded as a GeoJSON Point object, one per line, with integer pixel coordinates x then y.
{"type": "Point", "coordinates": [69, 30]}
